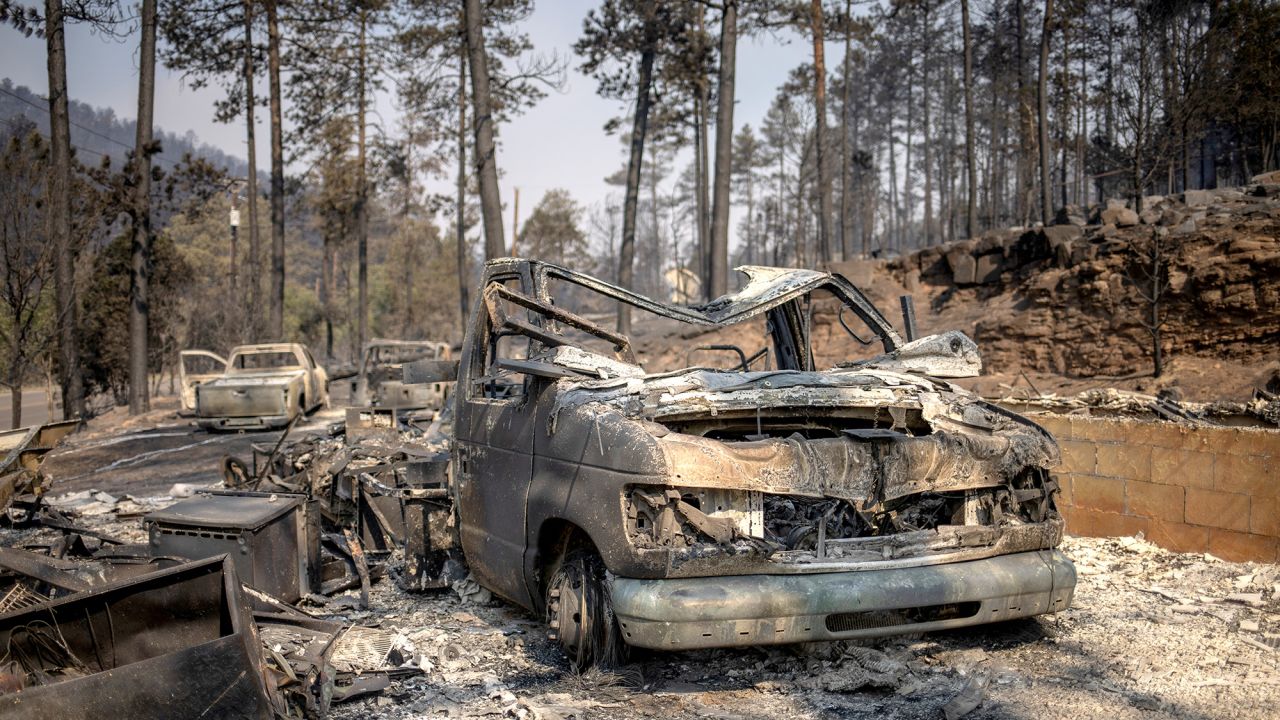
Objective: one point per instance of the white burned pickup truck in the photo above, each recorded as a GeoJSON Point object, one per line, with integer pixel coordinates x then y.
{"type": "Point", "coordinates": [263, 386]}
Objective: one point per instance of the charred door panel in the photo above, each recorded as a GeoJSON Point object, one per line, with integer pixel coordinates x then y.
{"type": "Point", "coordinates": [494, 459]}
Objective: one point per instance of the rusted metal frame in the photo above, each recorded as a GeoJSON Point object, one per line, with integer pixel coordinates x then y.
{"type": "Point", "coordinates": [621, 343]}
{"type": "Point", "coordinates": [47, 570]}
{"type": "Point", "coordinates": [541, 271]}
{"type": "Point", "coordinates": [275, 450]}
{"type": "Point", "coordinates": [384, 534]}
{"type": "Point", "coordinates": [188, 623]}
{"type": "Point", "coordinates": [720, 530]}
{"type": "Point", "coordinates": [548, 338]}
{"type": "Point", "coordinates": [361, 563]}
{"type": "Point", "coordinates": [742, 356]}
{"type": "Point", "coordinates": [838, 285]}
{"type": "Point", "coordinates": [68, 528]}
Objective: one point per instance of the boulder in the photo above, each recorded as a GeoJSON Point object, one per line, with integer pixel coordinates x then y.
{"type": "Point", "coordinates": [1070, 215]}
{"type": "Point", "coordinates": [989, 268]}
{"type": "Point", "coordinates": [1171, 217]}
{"type": "Point", "coordinates": [1120, 217]}
{"type": "Point", "coordinates": [1149, 216]}
{"type": "Point", "coordinates": [1061, 233]}
{"type": "Point", "coordinates": [1197, 198]}
{"type": "Point", "coordinates": [1271, 178]}
{"type": "Point", "coordinates": [963, 267]}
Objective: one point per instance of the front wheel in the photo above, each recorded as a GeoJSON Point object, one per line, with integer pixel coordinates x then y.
{"type": "Point", "coordinates": [580, 612]}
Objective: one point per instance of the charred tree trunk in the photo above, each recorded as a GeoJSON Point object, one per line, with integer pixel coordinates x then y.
{"type": "Point", "coordinates": [327, 288]}
{"type": "Point", "coordinates": [139, 310]}
{"type": "Point", "coordinates": [1064, 125]}
{"type": "Point", "coordinates": [1023, 182]}
{"type": "Point", "coordinates": [1046, 194]}
{"type": "Point", "coordinates": [820, 141]}
{"type": "Point", "coordinates": [724, 153]}
{"type": "Point", "coordinates": [15, 401]}
{"type": "Point", "coordinates": [482, 123]}
{"type": "Point", "coordinates": [929, 234]}
{"type": "Point", "coordinates": [275, 323]}
{"type": "Point", "coordinates": [971, 164]}
{"type": "Point", "coordinates": [460, 227]}
{"type": "Point", "coordinates": [59, 215]}
{"type": "Point", "coordinates": [700, 166]}
{"type": "Point", "coordinates": [627, 249]}
{"type": "Point", "coordinates": [846, 232]}
{"type": "Point", "coordinates": [362, 189]}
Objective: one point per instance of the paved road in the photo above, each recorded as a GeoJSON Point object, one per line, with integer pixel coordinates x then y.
{"type": "Point", "coordinates": [35, 408]}
{"type": "Point", "coordinates": [150, 460]}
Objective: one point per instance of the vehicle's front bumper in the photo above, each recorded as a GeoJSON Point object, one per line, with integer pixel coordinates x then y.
{"type": "Point", "coordinates": [264, 422]}
{"type": "Point", "coordinates": [772, 609]}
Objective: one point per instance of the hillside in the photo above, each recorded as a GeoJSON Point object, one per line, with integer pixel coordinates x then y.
{"type": "Point", "coordinates": [1069, 301]}
{"type": "Point", "coordinates": [96, 132]}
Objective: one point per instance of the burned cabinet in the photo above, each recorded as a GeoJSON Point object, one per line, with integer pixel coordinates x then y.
{"type": "Point", "coordinates": [272, 538]}
{"type": "Point", "coordinates": [493, 453]}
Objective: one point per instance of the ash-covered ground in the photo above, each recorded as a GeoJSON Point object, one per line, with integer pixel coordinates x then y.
{"type": "Point", "coordinates": [1151, 634]}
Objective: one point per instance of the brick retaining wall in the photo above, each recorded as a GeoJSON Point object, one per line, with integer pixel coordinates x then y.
{"type": "Point", "coordinates": [1188, 489]}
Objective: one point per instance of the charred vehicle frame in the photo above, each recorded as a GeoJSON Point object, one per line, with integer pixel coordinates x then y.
{"type": "Point", "coordinates": [719, 507]}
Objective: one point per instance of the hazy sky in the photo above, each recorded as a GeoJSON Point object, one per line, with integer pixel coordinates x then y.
{"type": "Point", "coordinates": [558, 143]}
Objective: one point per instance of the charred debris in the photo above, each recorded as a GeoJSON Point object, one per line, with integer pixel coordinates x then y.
{"type": "Point", "coordinates": [766, 465]}
{"type": "Point", "coordinates": [221, 610]}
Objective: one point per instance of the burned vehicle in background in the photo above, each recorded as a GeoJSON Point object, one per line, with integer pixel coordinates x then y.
{"type": "Point", "coordinates": [824, 498]}
{"type": "Point", "coordinates": [380, 379]}
{"type": "Point", "coordinates": [263, 386]}
{"type": "Point", "coordinates": [196, 367]}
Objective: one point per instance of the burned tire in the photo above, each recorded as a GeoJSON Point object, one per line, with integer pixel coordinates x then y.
{"type": "Point", "coordinates": [580, 613]}
{"type": "Point", "coordinates": [234, 472]}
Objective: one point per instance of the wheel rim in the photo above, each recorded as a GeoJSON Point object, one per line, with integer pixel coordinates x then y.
{"type": "Point", "coordinates": [567, 613]}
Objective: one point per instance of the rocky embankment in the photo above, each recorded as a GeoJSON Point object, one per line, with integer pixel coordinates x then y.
{"type": "Point", "coordinates": [1074, 298]}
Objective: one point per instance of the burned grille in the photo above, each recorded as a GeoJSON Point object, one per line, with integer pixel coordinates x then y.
{"type": "Point", "coordinates": [875, 619]}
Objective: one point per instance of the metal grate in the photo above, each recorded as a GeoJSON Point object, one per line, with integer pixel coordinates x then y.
{"type": "Point", "coordinates": [19, 597]}
{"type": "Point", "coordinates": [873, 619]}
{"type": "Point", "coordinates": [362, 649]}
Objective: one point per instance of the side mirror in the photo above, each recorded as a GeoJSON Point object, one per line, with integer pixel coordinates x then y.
{"type": "Point", "coordinates": [422, 372]}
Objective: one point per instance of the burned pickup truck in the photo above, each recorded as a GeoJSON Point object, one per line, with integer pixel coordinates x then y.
{"type": "Point", "coordinates": [262, 386]}
{"type": "Point", "coordinates": [765, 500]}
{"type": "Point", "coordinates": [380, 380]}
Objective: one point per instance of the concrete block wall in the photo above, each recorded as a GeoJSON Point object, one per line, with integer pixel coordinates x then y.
{"type": "Point", "coordinates": [1186, 488]}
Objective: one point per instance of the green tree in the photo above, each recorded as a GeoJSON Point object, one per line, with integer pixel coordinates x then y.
{"type": "Point", "coordinates": [26, 259]}
{"type": "Point", "coordinates": [106, 321]}
{"type": "Point", "coordinates": [625, 46]}
{"type": "Point", "coordinates": [553, 231]}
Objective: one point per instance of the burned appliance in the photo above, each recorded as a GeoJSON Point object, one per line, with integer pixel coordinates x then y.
{"type": "Point", "coordinates": [272, 538]}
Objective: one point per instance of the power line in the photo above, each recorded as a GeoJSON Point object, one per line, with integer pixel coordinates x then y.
{"type": "Point", "coordinates": [89, 130]}
{"type": "Point", "coordinates": [13, 124]}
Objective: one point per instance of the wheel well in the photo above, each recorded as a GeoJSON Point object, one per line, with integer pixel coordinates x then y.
{"type": "Point", "coordinates": [556, 538]}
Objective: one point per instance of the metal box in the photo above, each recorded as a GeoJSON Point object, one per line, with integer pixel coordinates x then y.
{"type": "Point", "coordinates": [273, 539]}
{"type": "Point", "coordinates": [176, 643]}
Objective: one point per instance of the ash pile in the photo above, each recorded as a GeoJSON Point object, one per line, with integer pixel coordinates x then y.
{"type": "Point", "coordinates": [232, 602]}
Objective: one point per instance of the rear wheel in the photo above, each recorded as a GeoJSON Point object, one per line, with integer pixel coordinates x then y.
{"type": "Point", "coordinates": [580, 613]}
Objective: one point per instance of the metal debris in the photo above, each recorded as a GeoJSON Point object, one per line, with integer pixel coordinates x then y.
{"type": "Point", "coordinates": [121, 649]}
